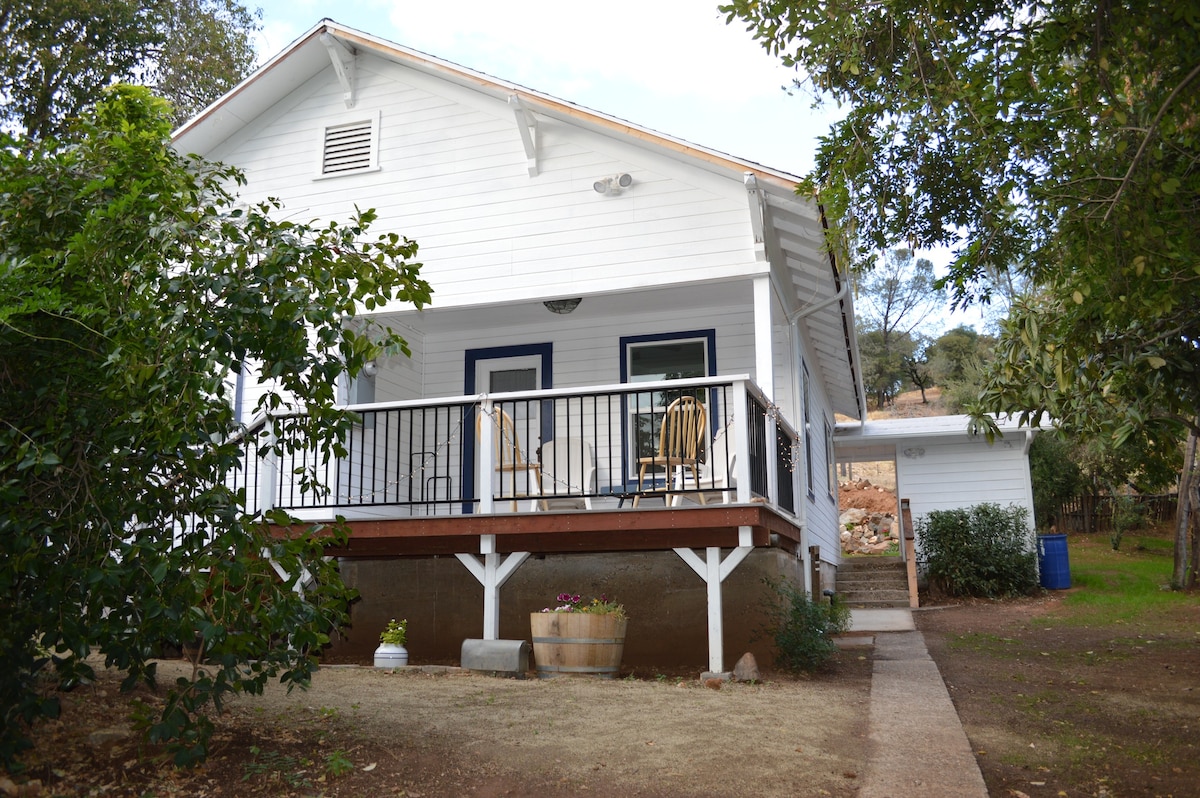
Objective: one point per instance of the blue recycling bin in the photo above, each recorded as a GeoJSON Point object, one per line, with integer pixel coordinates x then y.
{"type": "Point", "coordinates": [1053, 563]}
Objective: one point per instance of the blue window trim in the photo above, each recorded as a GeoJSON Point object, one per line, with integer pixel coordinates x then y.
{"type": "Point", "coordinates": [470, 361]}
{"type": "Point", "coordinates": [709, 336]}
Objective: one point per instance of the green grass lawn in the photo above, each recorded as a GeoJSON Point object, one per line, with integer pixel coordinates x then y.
{"type": "Point", "coordinates": [1127, 586]}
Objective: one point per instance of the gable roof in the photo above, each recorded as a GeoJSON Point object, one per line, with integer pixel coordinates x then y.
{"type": "Point", "coordinates": [789, 230]}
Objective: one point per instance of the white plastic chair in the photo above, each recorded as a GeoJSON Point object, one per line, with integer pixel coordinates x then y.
{"type": "Point", "coordinates": [510, 458]}
{"type": "Point", "coordinates": [716, 475]}
{"type": "Point", "coordinates": [568, 466]}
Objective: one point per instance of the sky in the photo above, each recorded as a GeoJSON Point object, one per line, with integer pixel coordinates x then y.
{"type": "Point", "coordinates": [673, 66]}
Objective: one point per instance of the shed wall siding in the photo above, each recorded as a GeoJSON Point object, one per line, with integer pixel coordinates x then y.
{"type": "Point", "coordinates": [962, 474]}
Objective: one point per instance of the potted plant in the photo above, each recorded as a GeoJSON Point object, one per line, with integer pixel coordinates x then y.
{"type": "Point", "coordinates": [391, 652]}
{"type": "Point", "coordinates": [577, 637]}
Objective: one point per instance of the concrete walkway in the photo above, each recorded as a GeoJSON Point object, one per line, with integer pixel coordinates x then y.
{"type": "Point", "coordinates": [918, 746]}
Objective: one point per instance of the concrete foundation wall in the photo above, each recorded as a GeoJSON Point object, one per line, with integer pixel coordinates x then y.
{"type": "Point", "coordinates": [666, 602]}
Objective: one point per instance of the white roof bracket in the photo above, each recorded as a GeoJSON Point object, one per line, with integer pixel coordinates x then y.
{"type": "Point", "coordinates": [527, 127]}
{"type": "Point", "coordinates": [754, 196]}
{"type": "Point", "coordinates": [343, 64]}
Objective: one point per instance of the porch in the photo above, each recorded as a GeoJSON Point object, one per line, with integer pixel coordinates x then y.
{"type": "Point", "coordinates": [595, 448]}
{"type": "Point", "coordinates": [567, 471]}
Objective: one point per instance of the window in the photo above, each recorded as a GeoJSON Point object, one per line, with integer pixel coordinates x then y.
{"type": "Point", "coordinates": [654, 358]}
{"type": "Point", "coordinates": [350, 146]}
{"type": "Point", "coordinates": [830, 461]}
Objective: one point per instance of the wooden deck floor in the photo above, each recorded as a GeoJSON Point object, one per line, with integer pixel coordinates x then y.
{"type": "Point", "coordinates": [643, 529]}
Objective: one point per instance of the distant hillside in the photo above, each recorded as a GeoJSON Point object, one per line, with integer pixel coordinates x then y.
{"type": "Point", "coordinates": [908, 405]}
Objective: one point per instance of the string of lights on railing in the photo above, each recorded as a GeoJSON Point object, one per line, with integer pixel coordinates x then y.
{"type": "Point", "coordinates": [791, 453]}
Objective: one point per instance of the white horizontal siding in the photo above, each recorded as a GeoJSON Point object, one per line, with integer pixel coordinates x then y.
{"type": "Point", "coordinates": [962, 474]}
{"type": "Point", "coordinates": [590, 354]}
{"type": "Point", "coordinates": [821, 516]}
{"type": "Point", "coordinates": [400, 378]}
{"type": "Point", "coordinates": [453, 177]}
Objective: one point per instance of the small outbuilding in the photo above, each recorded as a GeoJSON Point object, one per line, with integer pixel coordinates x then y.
{"type": "Point", "coordinates": [941, 463]}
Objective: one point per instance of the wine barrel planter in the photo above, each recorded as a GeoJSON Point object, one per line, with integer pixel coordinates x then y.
{"type": "Point", "coordinates": [577, 644]}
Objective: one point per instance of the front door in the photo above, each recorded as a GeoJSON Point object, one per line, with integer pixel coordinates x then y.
{"type": "Point", "coordinates": [504, 369]}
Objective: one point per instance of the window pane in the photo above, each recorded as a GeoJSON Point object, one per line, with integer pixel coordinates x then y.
{"type": "Point", "coordinates": [661, 360]}
{"type": "Point", "coordinates": [667, 361]}
{"type": "Point", "coordinates": [503, 380]}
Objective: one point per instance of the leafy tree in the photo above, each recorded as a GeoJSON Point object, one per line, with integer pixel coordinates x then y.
{"type": "Point", "coordinates": [131, 284]}
{"type": "Point", "coordinates": [897, 296]}
{"type": "Point", "coordinates": [884, 364]}
{"type": "Point", "coordinates": [1055, 476]}
{"type": "Point", "coordinates": [893, 304]}
{"type": "Point", "coordinates": [57, 57]}
{"type": "Point", "coordinates": [951, 354]}
{"type": "Point", "coordinates": [957, 360]}
{"type": "Point", "coordinates": [1060, 137]}
{"type": "Point", "coordinates": [917, 368]}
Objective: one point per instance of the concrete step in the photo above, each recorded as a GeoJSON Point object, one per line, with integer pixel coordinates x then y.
{"type": "Point", "coordinates": [853, 597]}
{"type": "Point", "coordinates": [859, 585]}
{"type": "Point", "coordinates": [873, 582]}
{"type": "Point", "coordinates": [871, 563]}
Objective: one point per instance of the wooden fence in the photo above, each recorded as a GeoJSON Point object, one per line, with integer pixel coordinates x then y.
{"type": "Point", "coordinates": [1095, 513]}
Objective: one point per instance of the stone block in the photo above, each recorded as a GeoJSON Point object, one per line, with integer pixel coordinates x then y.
{"type": "Point", "coordinates": [496, 657]}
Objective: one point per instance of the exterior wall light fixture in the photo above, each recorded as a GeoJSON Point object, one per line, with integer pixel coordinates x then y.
{"type": "Point", "coordinates": [562, 306]}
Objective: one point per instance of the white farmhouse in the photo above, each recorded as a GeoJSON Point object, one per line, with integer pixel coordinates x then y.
{"type": "Point", "coordinates": [628, 377]}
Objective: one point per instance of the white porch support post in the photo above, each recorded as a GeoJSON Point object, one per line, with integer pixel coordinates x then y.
{"type": "Point", "coordinates": [487, 455]}
{"type": "Point", "coordinates": [741, 443]}
{"type": "Point", "coordinates": [764, 367]}
{"type": "Point", "coordinates": [713, 570]}
{"type": "Point", "coordinates": [492, 573]}
{"type": "Point", "coordinates": [268, 477]}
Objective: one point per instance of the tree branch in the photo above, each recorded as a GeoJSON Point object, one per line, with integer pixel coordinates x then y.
{"type": "Point", "coordinates": [1149, 135]}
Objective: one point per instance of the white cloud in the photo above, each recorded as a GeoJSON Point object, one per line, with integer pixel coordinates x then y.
{"type": "Point", "coordinates": [674, 48]}
{"type": "Point", "coordinates": [669, 65]}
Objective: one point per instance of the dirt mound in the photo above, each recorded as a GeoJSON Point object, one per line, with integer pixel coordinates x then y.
{"type": "Point", "coordinates": [862, 495]}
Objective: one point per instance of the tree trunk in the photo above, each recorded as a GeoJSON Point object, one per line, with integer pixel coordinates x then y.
{"type": "Point", "coordinates": [1194, 569]}
{"type": "Point", "coordinates": [1180, 577]}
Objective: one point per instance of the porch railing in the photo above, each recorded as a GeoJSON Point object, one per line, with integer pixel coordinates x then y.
{"type": "Point", "coordinates": [535, 450]}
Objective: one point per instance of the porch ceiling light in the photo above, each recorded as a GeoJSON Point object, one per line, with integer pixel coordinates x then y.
{"type": "Point", "coordinates": [562, 306]}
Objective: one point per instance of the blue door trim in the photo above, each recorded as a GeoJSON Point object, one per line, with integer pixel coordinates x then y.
{"type": "Point", "coordinates": [471, 360]}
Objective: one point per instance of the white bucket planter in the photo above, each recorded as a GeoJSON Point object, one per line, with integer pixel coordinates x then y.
{"type": "Point", "coordinates": [390, 655]}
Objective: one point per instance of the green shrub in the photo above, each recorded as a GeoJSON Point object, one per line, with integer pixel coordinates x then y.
{"type": "Point", "coordinates": [1127, 514]}
{"type": "Point", "coordinates": [1055, 476]}
{"type": "Point", "coordinates": [801, 627]}
{"type": "Point", "coordinates": [981, 551]}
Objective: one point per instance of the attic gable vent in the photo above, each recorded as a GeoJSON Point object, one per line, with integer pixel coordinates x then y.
{"type": "Point", "coordinates": [351, 146]}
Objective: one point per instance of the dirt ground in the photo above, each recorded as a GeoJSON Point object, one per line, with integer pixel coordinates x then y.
{"type": "Point", "coordinates": [415, 734]}
{"type": "Point", "coordinates": [1051, 708]}
{"type": "Point", "coordinates": [1057, 709]}
{"type": "Point", "coordinates": [866, 496]}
